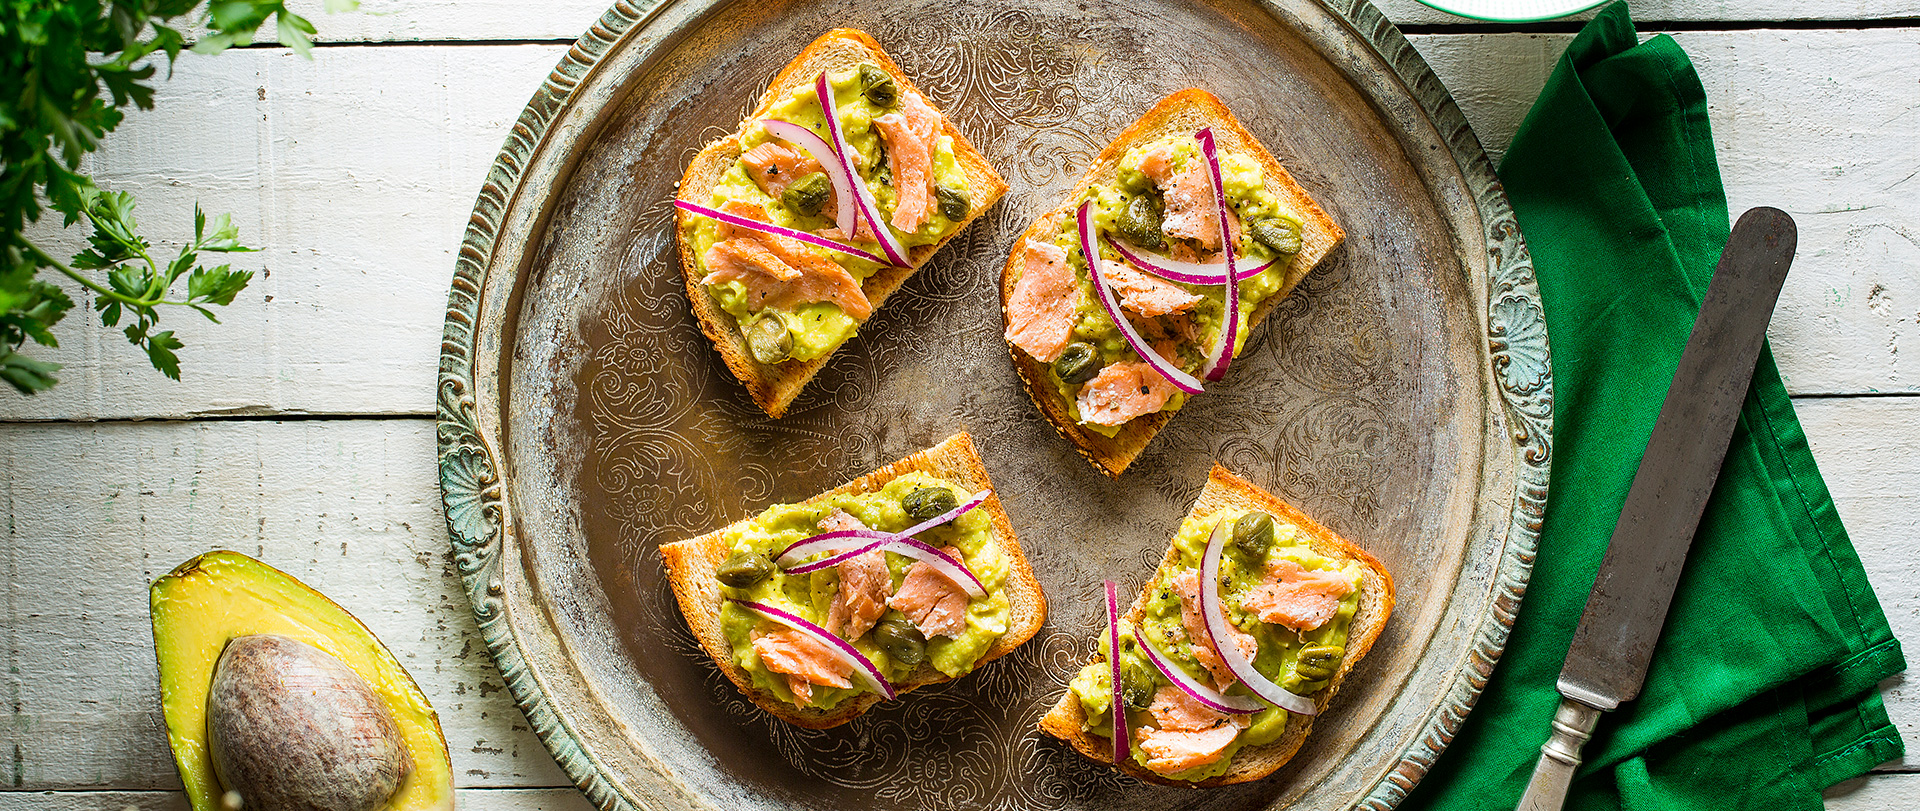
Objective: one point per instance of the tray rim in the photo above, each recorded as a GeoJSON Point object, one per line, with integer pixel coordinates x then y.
{"type": "Point", "coordinates": [473, 491]}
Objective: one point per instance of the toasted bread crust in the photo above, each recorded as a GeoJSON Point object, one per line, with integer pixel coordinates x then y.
{"type": "Point", "coordinates": [691, 563]}
{"type": "Point", "coordinates": [775, 387]}
{"type": "Point", "coordinates": [1185, 111]}
{"type": "Point", "coordinates": [1226, 490]}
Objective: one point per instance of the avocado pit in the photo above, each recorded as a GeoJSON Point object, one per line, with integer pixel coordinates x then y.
{"type": "Point", "coordinates": [291, 728]}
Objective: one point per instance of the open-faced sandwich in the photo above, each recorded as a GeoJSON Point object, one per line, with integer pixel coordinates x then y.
{"type": "Point", "coordinates": [1241, 638]}
{"type": "Point", "coordinates": [797, 226]}
{"type": "Point", "coordinates": [907, 576]}
{"type": "Point", "coordinates": [1110, 350]}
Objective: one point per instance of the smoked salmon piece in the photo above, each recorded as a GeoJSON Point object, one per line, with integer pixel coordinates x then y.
{"type": "Point", "coordinates": [837, 520]}
{"type": "Point", "coordinates": [1174, 710]}
{"type": "Point", "coordinates": [909, 133]}
{"type": "Point", "coordinates": [778, 271]}
{"type": "Point", "coordinates": [1190, 734]}
{"type": "Point", "coordinates": [1145, 294]}
{"type": "Point", "coordinates": [1169, 333]}
{"type": "Point", "coordinates": [1297, 597]}
{"type": "Point", "coordinates": [805, 661]}
{"type": "Point", "coordinates": [1044, 304]}
{"type": "Point", "coordinates": [865, 582]}
{"type": "Point", "coordinates": [862, 598]}
{"type": "Point", "coordinates": [1122, 391]}
{"type": "Point", "coordinates": [1187, 585]}
{"type": "Point", "coordinates": [935, 605]}
{"type": "Point", "coordinates": [862, 230]}
{"type": "Point", "coordinates": [1191, 210]}
{"type": "Point", "coordinates": [774, 166]}
{"type": "Point", "coordinates": [1173, 751]}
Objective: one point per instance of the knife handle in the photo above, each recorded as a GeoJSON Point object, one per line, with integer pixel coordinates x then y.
{"type": "Point", "coordinates": [1572, 725]}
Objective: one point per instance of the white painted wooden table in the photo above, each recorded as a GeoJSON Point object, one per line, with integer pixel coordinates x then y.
{"type": "Point", "coordinates": [303, 431]}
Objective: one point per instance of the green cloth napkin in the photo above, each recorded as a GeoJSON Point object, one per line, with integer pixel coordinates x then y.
{"type": "Point", "coordinates": [1762, 689]}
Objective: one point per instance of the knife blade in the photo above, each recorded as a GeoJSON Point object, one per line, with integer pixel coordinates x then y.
{"type": "Point", "coordinates": [1613, 644]}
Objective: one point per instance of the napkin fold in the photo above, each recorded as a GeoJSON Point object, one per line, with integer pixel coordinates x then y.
{"type": "Point", "coordinates": [1762, 690]}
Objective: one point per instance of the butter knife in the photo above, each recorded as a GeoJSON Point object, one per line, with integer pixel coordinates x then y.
{"type": "Point", "coordinates": [1607, 662]}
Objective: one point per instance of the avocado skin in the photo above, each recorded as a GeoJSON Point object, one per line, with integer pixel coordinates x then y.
{"type": "Point", "coordinates": [213, 599]}
{"type": "Point", "coordinates": [290, 728]}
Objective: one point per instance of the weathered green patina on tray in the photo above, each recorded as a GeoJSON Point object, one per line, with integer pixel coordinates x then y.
{"type": "Point", "coordinates": [1402, 395]}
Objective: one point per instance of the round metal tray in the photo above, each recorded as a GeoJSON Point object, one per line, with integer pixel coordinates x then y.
{"type": "Point", "coordinates": [1400, 395]}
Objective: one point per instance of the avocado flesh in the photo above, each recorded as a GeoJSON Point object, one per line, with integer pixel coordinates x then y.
{"type": "Point", "coordinates": [219, 596]}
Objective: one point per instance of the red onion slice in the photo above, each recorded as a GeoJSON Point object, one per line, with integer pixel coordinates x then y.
{"type": "Point", "coordinates": [770, 228]}
{"type": "Point", "coordinates": [1211, 698]}
{"type": "Point", "coordinates": [921, 551]}
{"type": "Point", "coordinates": [1122, 748]}
{"type": "Point", "coordinates": [1174, 270]}
{"type": "Point", "coordinates": [1214, 609]}
{"type": "Point", "coordinates": [841, 649]}
{"type": "Point", "coordinates": [868, 208]}
{"type": "Point", "coordinates": [1222, 354]}
{"type": "Point", "coordinates": [823, 542]}
{"type": "Point", "coordinates": [1108, 300]}
{"type": "Point", "coordinates": [845, 543]}
{"type": "Point", "coordinates": [901, 542]}
{"type": "Point", "coordinates": [837, 170]}
{"type": "Point", "coordinates": [837, 540]}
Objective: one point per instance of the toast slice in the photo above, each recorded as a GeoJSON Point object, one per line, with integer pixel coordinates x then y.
{"type": "Point", "coordinates": [774, 387]}
{"type": "Point", "coordinates": [1225, 490]}
{"type": "Point", "coordinates": [691, 565]}
{"type": "Point", "coordinates": [1186, 111]}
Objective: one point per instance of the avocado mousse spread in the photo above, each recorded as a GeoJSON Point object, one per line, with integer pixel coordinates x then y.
{"type": "Point", "coordinates": [1287, 609]}
{"type": "Point", "coordinates": [826, 600]}
{"type": "Point", "coordinates": [796, 291]}
{"type": "Point", "coordinates": [1156, 228]}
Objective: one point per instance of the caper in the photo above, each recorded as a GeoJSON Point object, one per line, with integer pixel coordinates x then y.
{"type": "Point", "coordinates": [1139, 222]}
{"type": "Point", "coordinates": [878, 86]}
{"type": "Point", "coordinates": [903, 642]}
{"type": "Point", "coordinates": [1078, 363]}
{"type": "Point", "coordinates": [1253, 534]}
{"type": "Point", "coordinates": [928, 502]}
{"type": "Point", "coordinates": [744, 569]}
{"type": "Point", "coordinates": [1136, 686]}
{"type": "Point", "coordinates": [808, 194]}
{"type": "Point", "coordinates": [1279, 233]}
{"type": "Point", "coordinates": [1317, 663]}
{"type": "Point", "coordinates": [1302, 687]}
{"type": "Point", "coordinates": [769, 338]}
{"type": "Point", "coordinates": [953, 202]}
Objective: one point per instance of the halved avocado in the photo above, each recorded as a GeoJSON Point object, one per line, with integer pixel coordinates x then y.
{"type": "Point", "coordinates": [220, 596]}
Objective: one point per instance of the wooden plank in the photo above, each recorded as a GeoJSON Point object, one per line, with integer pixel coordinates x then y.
{"type": "Point", "coordinates": [356, 173]}
{"type": "Point", "coordinates": [459, 20]}
{"type": "Point", "coordinates": [96, 512]}
{"type": "Point", "coordinates": [1652, 12]}
{"type": "Point", "coordinates": [468, 799]}
{"type": "Point", "coordinates": [439, 20]}
{"type": "Point", "coordinates": [1868, 450]}
{"type": "Point", "coordinates": [1879, 792]}
{"type": "Point", "coordinates": [1828, 130]}
{"type": "Point", "coordinates": [334, 500]}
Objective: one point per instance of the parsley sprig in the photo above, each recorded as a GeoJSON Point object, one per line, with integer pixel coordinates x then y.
{"type": "Point", "coordinates": [68, 70]}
